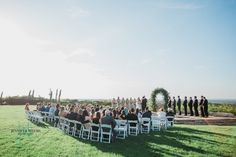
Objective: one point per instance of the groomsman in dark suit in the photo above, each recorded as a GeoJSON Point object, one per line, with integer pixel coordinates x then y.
{"type": "Point", "coordinates": [174, 105]}
{"type": "Point", "coordinates": [202, 107]}
{"type": "Point", "coordinates": [195, 105]}
{"type": "Point", "coordinates": [190, 105]}
{"type": "Point", "coordinates": [179, 105]}
{"type": "Point", "coordinates": [185, 105]}
{"type": "Point", "coordinates": [205, 106]}
{"type": "Point", "coordinates": [169, 102]}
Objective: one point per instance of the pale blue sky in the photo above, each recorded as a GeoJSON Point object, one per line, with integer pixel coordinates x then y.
{"type": "Point", "coordinates": [126, 48]}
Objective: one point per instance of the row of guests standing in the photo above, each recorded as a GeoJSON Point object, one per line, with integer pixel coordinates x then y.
{"type": "Point", "coordinates": [192, 105]}
{"type": "Point", "coordinates": [130, 103]}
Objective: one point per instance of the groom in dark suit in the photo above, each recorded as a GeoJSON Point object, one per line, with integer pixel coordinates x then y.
{"type": "Point", "coordinates": [195, 105]}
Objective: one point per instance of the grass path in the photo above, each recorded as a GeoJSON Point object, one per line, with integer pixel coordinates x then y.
{"type": "Point", "coordinates": [181, 140]}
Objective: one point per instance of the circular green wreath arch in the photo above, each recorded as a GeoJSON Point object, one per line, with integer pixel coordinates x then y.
{"type": "Point", "coordinates": [154, 94]}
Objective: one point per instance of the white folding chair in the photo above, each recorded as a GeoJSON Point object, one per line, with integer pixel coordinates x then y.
{"type": "Point", "coordinates": [121, 128]}
{"type": "Point", "coordinates": [78, 129]}
{"type": "Point", "coordinates": [94, 132]}
{"type": "Point", "coordinates": [163, 122]}
{"type": "Point", "coordinates": [106, 133]}
{"type": "Point", "coordinates": [85, 131]}
{"type": "Point", "coordinates": [170, 121]}
{"type": "Point", "coordinates": [133, 127]}
{"type": "Point", "coordinates": [64, 125]}
{"type": "Point", "coordinates": [145, 125]}
{"type": "Point", "coordinates": [56, 121]}
{"type": "Point", "coordinates": [156, 123]}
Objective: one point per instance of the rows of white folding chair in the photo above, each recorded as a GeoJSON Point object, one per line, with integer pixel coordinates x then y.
{"type": "Point", "coordinates": [34, 116]}
{"type": "Point", "coordinates": [102, 132]}
{"type": "Point", "coordinates": [133, 127]}
{"type": "Point", "coordinates": [90, 131]}
{"type": "Point", "coordinates": [47, 117]}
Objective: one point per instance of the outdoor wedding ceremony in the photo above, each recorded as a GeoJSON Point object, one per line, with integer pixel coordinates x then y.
{"type": "Point", "coordinates": [85, 78]}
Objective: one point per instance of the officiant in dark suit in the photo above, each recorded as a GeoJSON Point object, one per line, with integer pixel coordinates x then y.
{"type": "Point", "coordinates": [202, 107]}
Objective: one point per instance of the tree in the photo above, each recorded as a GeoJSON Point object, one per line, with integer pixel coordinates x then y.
{"type": "Point", "coordinates": [59, 96]}
{"type": "Point", "coordinates": [56, 95]}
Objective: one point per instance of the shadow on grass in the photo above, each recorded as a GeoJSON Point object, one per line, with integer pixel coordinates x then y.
{"type": "Point", "coordinates": [171, 142]}
{"type": "Point", "coordinates": [176, 141]}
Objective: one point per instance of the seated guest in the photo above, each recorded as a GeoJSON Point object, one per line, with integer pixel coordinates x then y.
{"type": "Point", "coordinates": [62, 112]}
{"type": "Point", "coordinates": [52, 110]}
{"type": "Point", "coordinates": [139, 113]}
{"type": "Point", "coordinates": [132, 116]}
{"type": "Point", "coordinates": [114, 114]}
{"type": "Point", "coordinates": [27, 107]}
{"type": "Point", "coordinates": [96, 120]}
{"type": "Point", "coordinates": [72, 116]}
{"type": "Point", "coordinates": [147, 113]}
{"type": "Point", "coordinates": [47, 108]}
{"type": "Point", "coordinates": [80, 115]}
{"type": "Point", "coordinates": [42, 108]}
{"type": "Point", "coordinates": [122, 116]}
{"type": "Point", "coordinates": [161, 113]}
{"type": "Point", "coordinates": [86, 119]}
{"type": "Point", "coordinates": [170, 113]}
{"type": "Point", "coordinates": [57, 110]}
{"type": "Point", "coordinates": [56, 113]}
{"type": "Point", "coordinates": [107, 119]}
{"type": "Point", "coordinates": [92, 113]}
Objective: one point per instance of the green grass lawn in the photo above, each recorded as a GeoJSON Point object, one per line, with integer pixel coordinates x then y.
{"type": "Point", "coordinates": [181, 140]}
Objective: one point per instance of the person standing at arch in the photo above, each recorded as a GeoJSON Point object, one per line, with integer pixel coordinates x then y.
{"type": "Point", "coordinates": [144, 103]}
{"type": "Point", "coordinates": [185, 105]}
{"type": "Point", "coordinates": [195, 105]}
{"type": "Point", "coordinates": [190, 105]}
{"type": "Point", "coordinates": [174, 105]}
{"type": "Point", "coordinates": [179, 105]}
{"type": "Point", "coordinates": [169, 102]}
{"type": "Point", "coordinates": [205, 106]}
{"type": "Point", "coordinates": [202, 107]}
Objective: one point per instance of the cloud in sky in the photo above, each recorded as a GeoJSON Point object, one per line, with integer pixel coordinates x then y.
{"type": "Point", "coordinates": [182, 6]}
{"type": "Point", "coordinates": [77, 12]}
{"type": "Point", "coordinates": [119, 51]}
